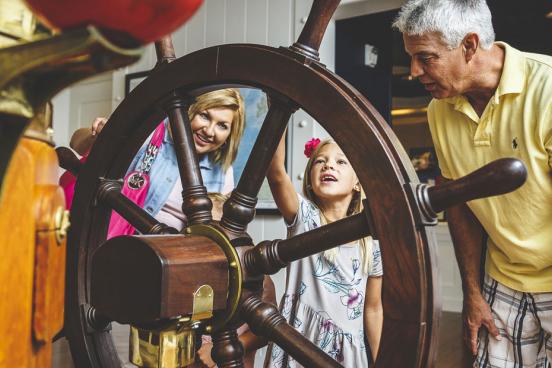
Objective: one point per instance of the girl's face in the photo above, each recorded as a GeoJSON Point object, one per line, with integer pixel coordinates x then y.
{"type": "Point", "coordinates": [332, 176]}
{"type": "Point", "coordinates": [211, 128]}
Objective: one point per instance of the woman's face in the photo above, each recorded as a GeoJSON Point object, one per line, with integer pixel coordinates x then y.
{"type": "Point", "coordinates": [211, 128]}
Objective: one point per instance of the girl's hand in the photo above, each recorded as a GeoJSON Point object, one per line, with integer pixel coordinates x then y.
{"type": "Point", "coordinates": [281, 185]}
{"type": "Point", "coordinates": [98, 125]}
{"type": "Point", "coordinates": [204, 354]}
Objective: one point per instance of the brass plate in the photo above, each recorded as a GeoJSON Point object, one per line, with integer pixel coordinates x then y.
{"type": "Point", "coordinates": [235, 277]}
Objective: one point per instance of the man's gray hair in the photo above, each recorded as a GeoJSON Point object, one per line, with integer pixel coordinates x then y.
{"type": "Point", "coordinates": [453, 19]}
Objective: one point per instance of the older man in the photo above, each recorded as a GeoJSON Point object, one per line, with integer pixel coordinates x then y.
{"type": "Point", "coordinates": [491, 101]}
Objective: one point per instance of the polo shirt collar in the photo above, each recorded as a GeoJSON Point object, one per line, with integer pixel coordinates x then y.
{"type": "Point", "coordinates": [512, 80]}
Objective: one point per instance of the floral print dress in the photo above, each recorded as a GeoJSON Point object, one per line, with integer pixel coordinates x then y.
{"type": "Point", "coordinates": [323, 300]}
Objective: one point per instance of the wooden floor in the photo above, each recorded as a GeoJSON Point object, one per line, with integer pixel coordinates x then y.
{"type": "Point", "coordinates": [451, 353]}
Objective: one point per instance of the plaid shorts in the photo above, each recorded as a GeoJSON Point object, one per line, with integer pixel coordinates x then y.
{"type": "Point", "coordinates": [524, 320]}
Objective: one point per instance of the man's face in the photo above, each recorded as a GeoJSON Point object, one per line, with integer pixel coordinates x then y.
{"type": "Point", "coordinates": [442, 71]}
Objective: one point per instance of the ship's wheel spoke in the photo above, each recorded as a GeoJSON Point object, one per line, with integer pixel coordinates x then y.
{"type": "Point", "coordinates": [265, 320]}
{"type": "Point", "coordinates": [240, 208]}
{"type": "Point", "coordinates": [109, 194]}
{"type": "Point", "coordinates": [196, 204]}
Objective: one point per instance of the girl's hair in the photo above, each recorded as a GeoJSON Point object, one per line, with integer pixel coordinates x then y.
{"type": "Point", "coordinates": [223, 98]}
{"type": "Point", "coordinates": [218, 200]}
{"type": "Point", "coordinates": [366, 244]}
{"type": "Point", "coordinates": [453, 19]}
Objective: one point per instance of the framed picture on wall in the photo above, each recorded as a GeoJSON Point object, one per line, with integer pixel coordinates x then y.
{"type": "Point", "coordinates": [256, 108]}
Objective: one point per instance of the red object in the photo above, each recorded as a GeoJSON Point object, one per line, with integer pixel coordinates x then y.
{"type": "Point", "coordinates": [144, 20]}
{"type": "Point", "coordinates": [67, 181]}
{"type": "Point", "coordinates": [136, 185]}
{"type": "Point", "coordinates": [310, 146]}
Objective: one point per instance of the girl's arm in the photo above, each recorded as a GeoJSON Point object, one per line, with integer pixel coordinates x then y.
{"type": "Point", "coordinates": [373, 314]}
{"type": "Point", "coordinates": [280, 183]}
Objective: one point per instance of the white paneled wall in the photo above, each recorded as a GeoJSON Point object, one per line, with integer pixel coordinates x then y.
{"type": "Point", "coordinates": [449, 275]}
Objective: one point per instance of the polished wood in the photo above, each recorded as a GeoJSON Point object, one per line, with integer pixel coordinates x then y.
{"type": "Point", "coordinates": [160, 278]}
{"type": "Point", "coordinates": [12, 128]}
{"type": "Point", "coordinates": [227, 349]}
{"type": "Point", "coordinates": [265, 320]}
{"type": "Point", "coordinates": [68, 160]}
{"type": "Point", "coordinates": [195, 203]}
{"type": "Point", "coordinates": [239, 210]}
{"type": "Point", "coordinates": [17, 253]}
{"type": "Point", "coordinates": [32, 250]}
{"type": "Point", "coordinates": [270, 256]}
{"type": "Point", "coordinates": [33, 262]}
{"type": "Point", "coordinates": [498, 177]}
{"type": "Point", "coordinates": [311, 36]}
{"type": "Point", "coordinates": [406, 249]}
{"type": "Point", "coordinates": [109, 194]}
{"type": "Point", "coordinates": [164, 50]}
{"type": "Point", "coordinates": [410, 293]}
{"type": "Point", "coordinates": [34, 71]}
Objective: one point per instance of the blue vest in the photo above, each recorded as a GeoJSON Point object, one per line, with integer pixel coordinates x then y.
{"type": "Point", "coordinates": [164, 173]}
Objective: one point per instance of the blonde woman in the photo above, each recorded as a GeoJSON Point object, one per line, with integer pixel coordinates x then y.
{"type": "Point", "coordinates": [217, 121]}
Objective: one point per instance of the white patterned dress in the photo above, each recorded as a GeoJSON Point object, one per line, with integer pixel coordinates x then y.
{"type": "Point", "coordinates": [324, 300]}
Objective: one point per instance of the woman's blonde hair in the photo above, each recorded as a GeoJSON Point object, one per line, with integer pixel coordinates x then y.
{"type": "Point", "coordinates": [223, 98]}
{"type": "Point", "coordinates": [366, 244]}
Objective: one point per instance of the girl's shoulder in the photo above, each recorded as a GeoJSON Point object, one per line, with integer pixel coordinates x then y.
{"type": "Point", "coordinates": [307, 217]}
{"type": "Point", "coordinates": [306, 205]}
{"type": "Point", "coordinates": [377, 264]}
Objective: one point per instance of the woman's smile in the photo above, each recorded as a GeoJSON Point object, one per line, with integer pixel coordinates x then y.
{"type": "Point", "coordinates": [211, 129]}
{"type": "Point", "coordinates": [202, 139]}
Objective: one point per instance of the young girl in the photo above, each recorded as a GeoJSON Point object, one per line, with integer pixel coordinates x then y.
{"type": "Point", "coordinates": [333, 298]}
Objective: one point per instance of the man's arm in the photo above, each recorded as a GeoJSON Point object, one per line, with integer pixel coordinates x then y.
{"type": "Point", "coordinates": [468, 236]}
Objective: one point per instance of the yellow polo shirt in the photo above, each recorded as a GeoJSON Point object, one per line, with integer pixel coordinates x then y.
{"type": "Point", "coordinates": [517, 122]}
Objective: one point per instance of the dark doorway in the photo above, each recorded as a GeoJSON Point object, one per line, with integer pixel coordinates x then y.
{"type": "Point", "coordinates": [364, 56]}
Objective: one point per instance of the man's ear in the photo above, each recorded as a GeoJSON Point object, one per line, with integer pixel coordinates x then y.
{"type": "Point", "coordinates": [470, 44]}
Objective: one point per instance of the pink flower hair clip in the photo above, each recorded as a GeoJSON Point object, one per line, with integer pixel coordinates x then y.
{"type": "Point", "coordinates": [310, 146]}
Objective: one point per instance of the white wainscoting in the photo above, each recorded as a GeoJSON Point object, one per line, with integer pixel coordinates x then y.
{"type": "Point", "coordinates": [449, 275]}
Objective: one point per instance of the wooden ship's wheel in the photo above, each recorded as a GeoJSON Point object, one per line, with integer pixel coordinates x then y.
{"type": "Point", "coordinates": [149, 281]}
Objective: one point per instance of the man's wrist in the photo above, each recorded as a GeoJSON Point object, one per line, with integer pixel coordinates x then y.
{"type": "Point", "coordinates": [472, 293]}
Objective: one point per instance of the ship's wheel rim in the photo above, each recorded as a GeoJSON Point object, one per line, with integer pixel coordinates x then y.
{"type": "Point", "coordinates": [410, 298]}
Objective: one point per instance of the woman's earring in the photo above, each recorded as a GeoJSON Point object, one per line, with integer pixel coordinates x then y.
{"type": "Point", "coordinates": [356, 188]}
